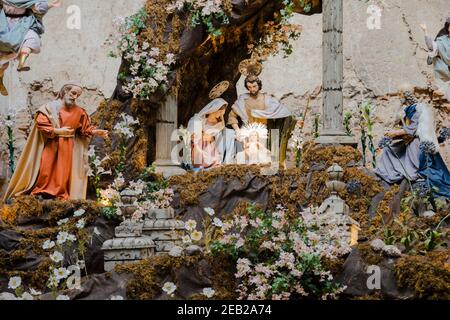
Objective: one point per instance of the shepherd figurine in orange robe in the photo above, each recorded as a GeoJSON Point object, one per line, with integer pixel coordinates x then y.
{"type": "Point", "coordinates": [59, 138]}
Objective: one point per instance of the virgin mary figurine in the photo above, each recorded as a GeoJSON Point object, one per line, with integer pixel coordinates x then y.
{"type": "Point", "coordinates": [212, 144]}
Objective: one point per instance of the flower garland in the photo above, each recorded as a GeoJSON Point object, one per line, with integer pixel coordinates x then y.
{"type": "Point", "coordinates": [148, 68]}
{"type": "Point", "coordinates": [280, 257]}
{"type": "Point", "coordinates": [210, 13]}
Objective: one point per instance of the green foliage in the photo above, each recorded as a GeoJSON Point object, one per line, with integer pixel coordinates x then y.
{"type": "Point", "coordinates": [268, 242]}
{"type": "Point", "coordinates": [347, 123]}
{"type": "Point", "coordinates": [316, 125]}
{"type": "Point", "coordinates": [432, 239]}
{"type": "Point", "coordinates": [110, 213]}
{"type": "Point", "coordinates": [367, 111]}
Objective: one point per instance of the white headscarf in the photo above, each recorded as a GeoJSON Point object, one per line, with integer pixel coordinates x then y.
{"type": "Point", "coordinates": [198, 122]}
{"type": "Point", "coordinates": [426, 130]}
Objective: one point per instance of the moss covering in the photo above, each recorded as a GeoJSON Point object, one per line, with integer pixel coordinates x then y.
{"type": "Point", "coordinates": [148, 276]}
{"type": "Point", "coordinates": [428, 276]}
{"type": "Point", "coordinates": [32, 239]}
{"type": "Point", "coordinates": [369, 255]}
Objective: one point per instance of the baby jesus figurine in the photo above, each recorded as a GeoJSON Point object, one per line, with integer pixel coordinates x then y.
{"type": "Point", "coordinates": [255, 152]}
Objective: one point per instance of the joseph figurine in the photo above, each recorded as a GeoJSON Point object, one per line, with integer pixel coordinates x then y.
{"type": "Point", "coordinates": [54, 162]}
{"type": "Point", "coordinates": [259, 107]}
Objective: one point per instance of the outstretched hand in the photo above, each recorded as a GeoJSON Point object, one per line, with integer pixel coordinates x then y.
{"type": "Point", "coordinates": [100, 133]}
{"type": "Point", "coordinates": [64, 131]}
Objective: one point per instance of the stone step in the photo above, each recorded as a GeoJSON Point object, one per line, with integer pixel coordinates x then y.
{"type": "Point", "coordinates": [169, 224]}
{"type": "Point", "coordinates": [128, 243]}
{"type": "Point", "coordinates": [164, 235]}
{"type": "Point", "coordinates": [166, 245]}
{"type": "Point", "coordinates": [128, 229]}
{"type": "Point", "coordinates": [156, 214]}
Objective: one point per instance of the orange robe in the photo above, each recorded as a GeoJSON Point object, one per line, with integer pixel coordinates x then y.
{"type": "Point", "coordinates": [56, 161]}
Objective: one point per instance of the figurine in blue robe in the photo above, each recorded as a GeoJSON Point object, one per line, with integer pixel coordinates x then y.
{"type": "Point", "coordinates": [413, 153]}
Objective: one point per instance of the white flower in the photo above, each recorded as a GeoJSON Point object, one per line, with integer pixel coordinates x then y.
{"type": "Point", "coordinates": [209, 211]}
{"type": "Point", "coordinates": [116, 298]}
{"type": "Point", "coordinates": [62, 297]}
{"type": "Point", "coordinates": [190, 225]}
{"type": "Point", "coordinates": [52, 282]}
{"type": "Point", "coordinates": [81, 223]}
{"type": "Point", "coordinates": [208, 292]}
{"type": "Point", "coordinates": [240, 243]}
{"type": "Point", "coordinates": [14, 283]}
{"type": "Point", "coordinates": [48, 244]}
{"type": "Point", "coordinates": [56, 256]}
{"type": "Point", "coordinates": [91, 151]}
{"type": "Point", "coordinates": [71, 238]}
{"type": "Point", "coordinates": [169, 288]}
{"type": "Point", "coordinates": [62, 221]}
{"type": "Point", "coordinates": [61, 238]}
{"type": "Point", "coordinates": [196, 235]}
{"type": "Point", "coordinates": [186, 239]}
{"type": "Point", "coordinates": [218, 223]}
{"type": "Point", "coordinates": [154, 52]}
{"type": "Point", "coordinates": [61, 273]}
{"type": "Point", "coordinates": [79, 213]}
{"type": "Point", "coordinates": [119, 181]}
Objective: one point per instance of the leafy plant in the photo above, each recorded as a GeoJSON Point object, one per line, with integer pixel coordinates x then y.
{"type": "Point", "coordinates": [279, 256]}
{"type": "Point", "coordinates": [432, 239]}
{"type": "Point", "coordinates": [347, 122]}
{"type": "Point", "coordinates": [316, 125]}
{"type": "Point", "coordinates": [389, 236]}
{"type": "Point", "coordinates": [366, 111]}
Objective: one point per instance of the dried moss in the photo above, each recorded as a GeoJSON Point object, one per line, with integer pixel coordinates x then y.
{"type": "Point", "coordinates": [427, 276]}
{"type": "Point", "coordinates": [23, 206]}
{"type": "Point", "coordinates": [327, 155]}
{"type": "Point", "coordinates": [360, 202]}
{"type": "Point", "coordinates": [224, 281]}
{"type": "Point", "coordinates": [335, 266]}
{"type": "Point", "coordinates": [369, 255]}
{"type": "Point", "coordinates": [375, 296]}
{"type": "Point", "coordinates": [147, 274]}
{"type": "Point", "coordinates": [384, 210]}
{"type": "Point", "coordinates": [49, 211]}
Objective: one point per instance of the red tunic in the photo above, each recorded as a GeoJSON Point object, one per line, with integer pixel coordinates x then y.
{"type": "Point", "coordinates": [56, 162]}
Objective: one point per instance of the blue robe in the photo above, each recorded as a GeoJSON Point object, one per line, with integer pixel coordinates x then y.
{"type": "Point", "coordinates": [11, 39]}
{"type": "Point", "coordinates": [418, 164]}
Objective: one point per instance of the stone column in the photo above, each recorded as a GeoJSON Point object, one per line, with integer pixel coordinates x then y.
{"type": "Point", "coordinates": [333, 75]}
{"type": "Point", "coordinates": [166, 125]}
